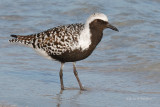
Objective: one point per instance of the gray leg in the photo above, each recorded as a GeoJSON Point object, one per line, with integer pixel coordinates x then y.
{"type": "Point", "coordinates": [61, 76]}
{"type": "Point", "coordinates": [76, 75]}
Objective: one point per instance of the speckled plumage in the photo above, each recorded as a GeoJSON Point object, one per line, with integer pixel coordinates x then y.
{"type": "Point", "coordinates": [68, 43]}
{"type": "Point", "coordinates": [54, 41]}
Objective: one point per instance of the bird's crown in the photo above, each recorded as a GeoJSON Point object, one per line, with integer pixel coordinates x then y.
{"type": "Point", "coordinates": [94, 16]}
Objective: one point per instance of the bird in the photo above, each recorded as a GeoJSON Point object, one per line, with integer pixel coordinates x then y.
{"type": "Point", "coordinates": [68, 43]}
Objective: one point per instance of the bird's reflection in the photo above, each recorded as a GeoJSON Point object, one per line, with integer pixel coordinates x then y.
{"type": "Point", "coordinates": [59, 98]}
{"type": "Point", "coordinates": [61, 93]}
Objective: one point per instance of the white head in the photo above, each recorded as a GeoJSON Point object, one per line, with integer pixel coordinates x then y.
{"type": "Point", "coordinates": [94, 26]}
{"type": "Point", "coordinates": [94, 16]}
{"type": "Point", "coordinates": [99, 20]}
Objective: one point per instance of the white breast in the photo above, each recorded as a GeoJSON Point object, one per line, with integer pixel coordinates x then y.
{"type": "Point", "coordinates": [85, 39]}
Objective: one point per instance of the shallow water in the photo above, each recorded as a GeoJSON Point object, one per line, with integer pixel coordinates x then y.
{"type": "Point", "coordinates": [124, 70]}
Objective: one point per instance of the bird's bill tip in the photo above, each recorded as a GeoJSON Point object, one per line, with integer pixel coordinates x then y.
{"type": "Point", "coordinates": [116, 29]}
{"type": "Point", "coordinates": [112, 27]}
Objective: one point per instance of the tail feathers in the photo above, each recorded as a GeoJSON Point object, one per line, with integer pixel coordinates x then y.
{"type": "Point", "coordinates": [15, 36]}
{"type": "Point", "coordinates": [22, 39]}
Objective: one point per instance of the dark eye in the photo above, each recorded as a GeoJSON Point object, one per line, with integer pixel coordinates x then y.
{"type": "Point", "coordinates": [105, 22]}
{"type": "Point", "coordinates": [96, 20]}
{"type": "Point", "coordinates": [101, 22]}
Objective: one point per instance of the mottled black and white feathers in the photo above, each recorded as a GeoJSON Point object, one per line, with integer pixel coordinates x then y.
{"type": "Point", "coordinates": [57, 38]}
{"type": "Point", "coordinates": [67, 43]}
{"type": "Point", "coordinates": [55, 41]}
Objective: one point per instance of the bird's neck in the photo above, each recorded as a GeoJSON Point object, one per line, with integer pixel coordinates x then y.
{"type": "Point", "coordinates": [96, 36]}
{"type": "Point", "coordinates": [89, 38]}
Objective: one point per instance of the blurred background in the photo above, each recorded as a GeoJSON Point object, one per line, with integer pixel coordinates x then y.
{"type": "Point", "coordinates": [124, 70]}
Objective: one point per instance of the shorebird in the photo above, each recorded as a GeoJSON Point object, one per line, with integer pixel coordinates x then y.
{"type": "Point", "coordinates": [68, 43]}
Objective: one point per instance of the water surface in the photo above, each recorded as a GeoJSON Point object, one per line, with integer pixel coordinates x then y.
{"type": "Point", "coordinates": [124, 69]}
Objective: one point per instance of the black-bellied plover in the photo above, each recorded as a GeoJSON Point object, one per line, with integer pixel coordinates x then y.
{"type": "Point", "coordinates": [68, 43]}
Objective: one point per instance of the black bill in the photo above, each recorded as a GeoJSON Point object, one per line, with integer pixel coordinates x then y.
{"type": "Point", "coordinates": [112, 27]}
